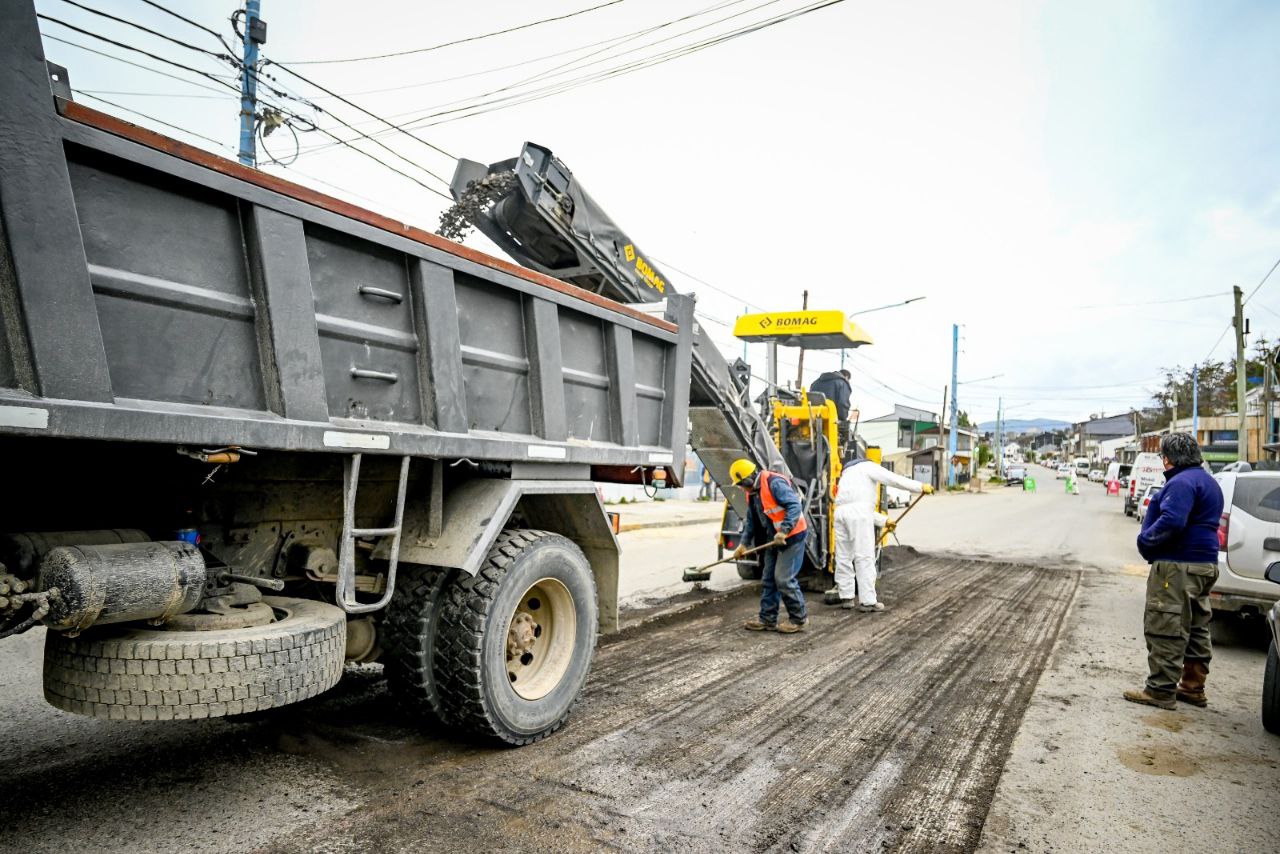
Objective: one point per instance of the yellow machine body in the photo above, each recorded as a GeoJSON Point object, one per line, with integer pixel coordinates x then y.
{"type": "Point", "coordinates": [807, 423]}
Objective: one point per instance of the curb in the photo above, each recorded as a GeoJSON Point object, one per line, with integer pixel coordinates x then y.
{"type": "Point", "coordinates": [678, 523]}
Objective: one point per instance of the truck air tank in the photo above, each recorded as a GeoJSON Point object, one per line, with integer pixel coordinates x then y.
{"type": "Point", "coordinates": [121, 582]}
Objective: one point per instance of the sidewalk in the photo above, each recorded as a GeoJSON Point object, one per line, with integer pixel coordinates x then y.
{"type": "Point", "coordinates": [666, 514]}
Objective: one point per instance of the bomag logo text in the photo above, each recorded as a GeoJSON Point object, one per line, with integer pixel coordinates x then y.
{"type": "Point", "coordinates": [650, 275]}
{"type": "Point", "coordinates": [790, 322]}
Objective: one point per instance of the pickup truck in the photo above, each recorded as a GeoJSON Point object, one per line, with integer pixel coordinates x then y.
{"type": "Point", "coordinates": [252, 432]}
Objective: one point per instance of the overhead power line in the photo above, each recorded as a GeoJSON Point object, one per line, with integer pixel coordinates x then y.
{"type": "Point", "coordinates": [373, 115]}
{"type": "Point", "coordinates": [1155, 301]}
{"type": "Point", "coordinates": [418, 50]}
{"type": "Point", "coordinates": [153, 119]}
{"type": "Point", "coordinates": [185, 19]}
{"type": "Point", "coordinates": [148, 30]}
{"type": "Point", "coordinates": [617, 71]}
{"type": "Point", "coordinates": [147, 94]}
{"type": "Point", "coordinates": [338, 140]}
{"type": "Point", "coordinates": [537, 94]}
{"type": "Point", "coordinates": [270, 85]}
{"type": "Point", "coordinates": [152, 69]}
{"type": "Point", "coordinates": [1258, 286]}
{"type": "Point", "coordinates": [628, 36]}
{"type": "Point", "coordinates": [720, 290]}
{"type": "Point", "coordinates": [139, 50]}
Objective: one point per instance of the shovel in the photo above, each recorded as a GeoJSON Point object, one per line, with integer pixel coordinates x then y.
{"type": "Point", "coordinates": [703, 573]}
{"type": "Point", "coordinates": [901, 516]}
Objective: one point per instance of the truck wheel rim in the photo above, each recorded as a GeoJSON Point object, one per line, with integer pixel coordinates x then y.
{"type": "Point", "coordinates": [541, 639]}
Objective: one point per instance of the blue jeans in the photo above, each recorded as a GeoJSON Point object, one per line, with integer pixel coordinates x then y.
{"type": "Point", "coordinates": [781, 566]}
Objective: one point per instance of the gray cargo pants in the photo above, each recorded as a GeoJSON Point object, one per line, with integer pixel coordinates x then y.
{"type": "Point", "coordinates": [1176, 622]}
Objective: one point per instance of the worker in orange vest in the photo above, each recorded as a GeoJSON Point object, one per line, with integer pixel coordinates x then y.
{"type": "Point", "coordinates": [774, 514]}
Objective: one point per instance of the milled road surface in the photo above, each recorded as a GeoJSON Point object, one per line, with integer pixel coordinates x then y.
{"type": "Point", "coordinates": [894, 731]}
{"type": "Point", "coordinates": [864, 732]}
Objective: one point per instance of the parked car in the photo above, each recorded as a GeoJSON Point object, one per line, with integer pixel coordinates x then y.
{"type": "Point", "coordinates": [1064, 472]}
{"type": "Point", "coordinates": [1118, 471]}
{"type": "Point", "coordinates": [1147, 471]}
{"type": "Point", "coordinates": [894, 497]}
{"type": "Point", "coordinates": [1248, 542]}
{"type": "Point", "coordinates": [1152, 492]}
{"type": "Point", "coordinates": [1015, 475]}
{"type": "Point", "coordinates": [1271, 676]}
{"type": "Point", "coordinates": [1095, 475]}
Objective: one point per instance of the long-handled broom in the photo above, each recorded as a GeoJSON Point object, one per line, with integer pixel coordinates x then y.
{"type": "Point", "coordinates": [703, 573]}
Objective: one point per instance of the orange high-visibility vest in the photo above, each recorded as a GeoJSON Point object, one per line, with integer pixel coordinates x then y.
{"type": "Point", "coordinates": [776, 513]}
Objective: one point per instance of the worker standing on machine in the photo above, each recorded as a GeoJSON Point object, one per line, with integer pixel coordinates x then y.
{"type": "Point", "coordinates": [773, 513]}
{"type": "Point", "coordinates": [856, 523]}
{"type": "Point", "coordinates": [835, 385]}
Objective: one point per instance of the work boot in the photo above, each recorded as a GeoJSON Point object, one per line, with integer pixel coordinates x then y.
{"type": "Point", "coordinates": [755, 624]}
{"type": "Point", "coordinates": [832, 597]}
{"type": "Point", "coordinates": [872, 609]}
{"type": "Point", "coordinates": [1191, 688]}
{"type": "Point", "coordinates": [792, 628]}
{"type": "Point", "coordinates": [848, 604]}
{"type": "Point", "coordinates": [1146, 698]}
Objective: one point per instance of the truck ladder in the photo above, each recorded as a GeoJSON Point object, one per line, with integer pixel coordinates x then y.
{"type": "Point", "coordinates": [345, 594]}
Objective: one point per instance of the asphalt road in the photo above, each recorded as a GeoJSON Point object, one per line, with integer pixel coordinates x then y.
{"type": "Point", "coordinates": [866, 731]}
{"type": "Point", "coordinates": [926, 728]}
{"type": "Point", "coordinates": [1088, 771]}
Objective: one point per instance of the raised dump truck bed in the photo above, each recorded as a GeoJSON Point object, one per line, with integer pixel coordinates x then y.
{"type": "Point", "coordinates": [259, 431]}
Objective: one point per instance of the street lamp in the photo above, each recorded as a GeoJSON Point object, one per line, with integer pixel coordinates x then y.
{"type": "Point", "coordinates": [877, 308]}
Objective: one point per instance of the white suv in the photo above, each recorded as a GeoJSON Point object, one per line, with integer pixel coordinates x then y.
{"type": "Point", "coordinates": [1248, 541]}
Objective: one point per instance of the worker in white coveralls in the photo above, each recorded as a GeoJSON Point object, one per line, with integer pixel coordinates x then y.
{"type": "Point", "coordinates": [856, 524]}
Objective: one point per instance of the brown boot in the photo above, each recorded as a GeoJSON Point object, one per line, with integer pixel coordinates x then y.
{"type": "Point", "coordinates": [1191, 688]}
{"type": "Point", "coordinates": [1146, 698]}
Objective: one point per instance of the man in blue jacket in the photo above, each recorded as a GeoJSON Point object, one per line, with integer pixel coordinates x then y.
{"type": "Point", "coordinates": [1180, 540]}
{"type": "Point", "coordinates": [774, 515]}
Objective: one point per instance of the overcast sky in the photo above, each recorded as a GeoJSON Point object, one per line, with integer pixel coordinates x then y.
{"type": "Point", "coordinates": [1051, 176]}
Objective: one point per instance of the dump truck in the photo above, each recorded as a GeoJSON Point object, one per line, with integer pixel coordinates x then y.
{"type": "Point", "coordinates": [251, 432]}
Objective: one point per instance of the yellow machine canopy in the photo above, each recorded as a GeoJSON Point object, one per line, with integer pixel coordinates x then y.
{"type": "Point", "coordinates": [808, 330]}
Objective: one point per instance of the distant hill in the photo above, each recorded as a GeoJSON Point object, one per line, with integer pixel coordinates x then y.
{"type": "Point", "coordinates": [1022, 425]}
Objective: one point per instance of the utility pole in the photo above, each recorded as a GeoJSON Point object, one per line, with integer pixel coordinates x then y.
{"type": "Point", "coordinates": [1000, 436]}
{"type": "Point", "coordinates": [800, 363]}
{"type": "Point", "coordinates": [955, 414]}
{"type": "Point", "coordinates": [255, 33]}
{"type": "Point", "coordinates": [1173, 415]}
{"type": "Point", "coordinates": [1265, 432]}
{"type": "Point", "coordinates": [1242, 426]}
{"type": "Point", "coordinates": [1195, 402]}
{"type": "Point", "coordinates": [942, 416]}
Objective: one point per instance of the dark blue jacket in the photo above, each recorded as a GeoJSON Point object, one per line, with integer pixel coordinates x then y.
{"type": "Point", "coordinates": [837, 390]}
{"type": "Point", "coordinates": [1182, 521]}
{"type": "Point", "coordinates": [758, 529]}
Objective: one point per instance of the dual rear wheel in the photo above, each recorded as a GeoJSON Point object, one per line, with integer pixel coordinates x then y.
{"type": "Point", "coordinates": [503, 654]}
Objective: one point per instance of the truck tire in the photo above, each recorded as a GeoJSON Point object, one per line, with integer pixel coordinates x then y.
{"type": "Point", "coordinates": [1271, 692]}
{"type": "Point", "coordinates": [409, 639]}
{"type": "Point", "coordinates": [749, 570]}
{"type": "Point", "coordinates": [128, 673]}
{"type": "Point", "coordinates": [516, 640]}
